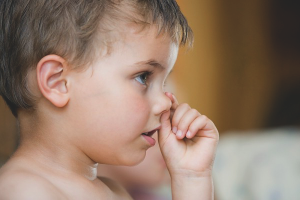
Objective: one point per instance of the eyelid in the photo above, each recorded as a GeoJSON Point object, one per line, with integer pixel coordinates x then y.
{"type": "Point", "coordinates": [147, 73]}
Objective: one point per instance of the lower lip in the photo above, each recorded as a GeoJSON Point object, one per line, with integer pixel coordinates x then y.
{"type": "Point", "coordinates": [150, 140]}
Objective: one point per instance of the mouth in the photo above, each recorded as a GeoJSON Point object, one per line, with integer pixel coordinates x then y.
{"type": "Point", "coordinates": [150, 133]}
{"type": "Point", "coordinates": [148, 136]}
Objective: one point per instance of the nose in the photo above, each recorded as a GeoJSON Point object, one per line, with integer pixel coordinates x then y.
{"type": "Point", "coordinates": [162, 103]}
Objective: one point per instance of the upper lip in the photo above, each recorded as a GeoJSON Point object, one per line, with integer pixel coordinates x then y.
{"type": "Point", "coordinates": [156, 129]}
{"type": "Point", "coordinates": [150, 133]}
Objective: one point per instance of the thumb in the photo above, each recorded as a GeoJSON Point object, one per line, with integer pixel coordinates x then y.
{"type": "Point", "coordinates": [165, 126]}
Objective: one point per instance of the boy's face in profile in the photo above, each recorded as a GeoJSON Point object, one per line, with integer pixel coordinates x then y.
{"type": "Point", "coordinates": [121, 96]}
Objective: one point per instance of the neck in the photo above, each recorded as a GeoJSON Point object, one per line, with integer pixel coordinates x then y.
{"type": "Point", "coordinates": [57, 159]}
{"type": "Point", "coordinates": [51, 148]}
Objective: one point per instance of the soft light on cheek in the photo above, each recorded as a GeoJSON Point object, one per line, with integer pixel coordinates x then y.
{"type": "Point", "coordinates": [139, 104]}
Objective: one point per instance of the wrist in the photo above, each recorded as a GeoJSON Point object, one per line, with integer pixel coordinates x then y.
{"type": "Point", "coordinates": [190, 174]}
{"type": "Point", "coordinates": [191, 179]}
{"type": "Point", "coordinates": [192, 186]}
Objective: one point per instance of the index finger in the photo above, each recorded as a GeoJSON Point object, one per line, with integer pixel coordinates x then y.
{"type": "Point", "coordinates": [173, 100]}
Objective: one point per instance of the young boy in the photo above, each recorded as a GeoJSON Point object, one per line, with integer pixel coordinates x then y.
{"type": "Point", "coordinates": [85, 80]}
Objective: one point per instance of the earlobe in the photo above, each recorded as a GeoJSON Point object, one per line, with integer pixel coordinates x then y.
{"type": "Point", "coordinates": [52, 80]}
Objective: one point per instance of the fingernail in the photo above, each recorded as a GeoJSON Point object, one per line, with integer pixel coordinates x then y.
{"type": "Point", "coordinates": [188, 134]}
{"type": "Point", "coordinates": [174, 129]}
{"type": "Point", "coordinates": [179, 133]}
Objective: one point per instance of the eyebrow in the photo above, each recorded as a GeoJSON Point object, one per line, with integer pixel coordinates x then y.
{"type": "Point", "coordinates": [152, 63]}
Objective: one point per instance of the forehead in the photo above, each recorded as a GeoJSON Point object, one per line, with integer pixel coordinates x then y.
{"type": "Point", "coordinates": [135, 50]}
{"type": "Point", "coordinates": [146, 46]}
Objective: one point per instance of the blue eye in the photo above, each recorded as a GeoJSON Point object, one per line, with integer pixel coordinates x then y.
{"type": "Point", "coordinates": [142, 78]}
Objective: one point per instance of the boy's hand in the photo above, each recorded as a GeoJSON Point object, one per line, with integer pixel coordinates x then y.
{"type": "Point", "coordinates": [188, 141]}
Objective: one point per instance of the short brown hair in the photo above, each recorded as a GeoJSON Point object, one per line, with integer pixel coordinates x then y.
{"type": "Point", "coordinates": [32, 29]}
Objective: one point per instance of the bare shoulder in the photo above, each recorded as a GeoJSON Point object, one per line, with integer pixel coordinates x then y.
{"type": "Point", "coordinates": [116, 188]}
{"type": "Point", "coordinates": [22, 184]}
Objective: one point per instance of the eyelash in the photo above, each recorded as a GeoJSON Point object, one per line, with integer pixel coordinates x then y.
{"type": "Point", "coordinates": [143, 80]}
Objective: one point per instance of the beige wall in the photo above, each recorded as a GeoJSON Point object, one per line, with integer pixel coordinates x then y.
{"type": "Point", "coordinates": [228, 75]}
{"type": "Point", "coordinates": [8, 131]}
{"type": "Point", "coordinates": [197, 70]}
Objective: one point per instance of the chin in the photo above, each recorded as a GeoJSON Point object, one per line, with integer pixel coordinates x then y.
{"type": "Point", "coordinates": [132, 160]}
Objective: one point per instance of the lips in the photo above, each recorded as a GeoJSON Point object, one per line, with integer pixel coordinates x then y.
{"type": "Point", "coordinates": [148, 136]}
{"type": "Point", "coordinates": [149, 133]}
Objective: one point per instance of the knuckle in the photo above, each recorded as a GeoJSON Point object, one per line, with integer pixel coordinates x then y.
{"type": "Point", "coordinates": [194, 111]}
{"type": "Point", "coordinates": [193, 129]}
{"type": "Point", "coordinates": [185, 105]}
{"type": "Point", "coordinates": [204, 117]}
{"type": "Point", "coordinates": [182, 125]}
{"type": "Point", "coordinates": [175, 120]}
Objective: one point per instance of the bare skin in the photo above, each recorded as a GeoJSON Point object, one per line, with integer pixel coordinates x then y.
{"type": "Point", "coordinates": [100, 115]}
{"type": "Point", "coordinates": [37, 182]}
{"type": "Point", "coordinates": [188, 142]}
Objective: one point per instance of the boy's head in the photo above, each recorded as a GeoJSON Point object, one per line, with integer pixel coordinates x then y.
{"type": "Point", "coordinates": [74, 30]}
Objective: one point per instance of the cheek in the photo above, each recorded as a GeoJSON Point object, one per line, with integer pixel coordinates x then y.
{"type": "Point", "coordinates": [132, 102]}
{"type": "Point", "coordinates": [127, 109]}
{"type": "Point", "coordinates": [113, 110]}
{"type": "Point", "coordinates": [138, 105]}
{"type": "Point", "coordinates": [134, 108]}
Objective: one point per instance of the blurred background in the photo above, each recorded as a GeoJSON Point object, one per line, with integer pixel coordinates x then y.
{"type": "Point", "coordinates": [245, 53]}
{"type": "Point", "coordinates": [243, 72]}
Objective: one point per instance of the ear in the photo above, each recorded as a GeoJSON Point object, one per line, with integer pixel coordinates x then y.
{"type": "Point", "coordinates": [51, 71]}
